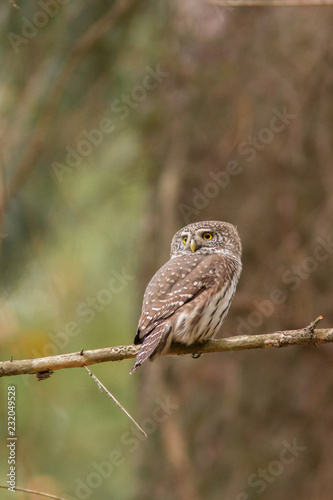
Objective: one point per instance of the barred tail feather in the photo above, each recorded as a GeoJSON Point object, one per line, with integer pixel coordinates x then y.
{"type": "Point", "coordinates": [152, 345]}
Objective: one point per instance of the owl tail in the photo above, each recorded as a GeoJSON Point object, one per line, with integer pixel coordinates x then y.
{"type": "Point", "coordinates": [153, 345]}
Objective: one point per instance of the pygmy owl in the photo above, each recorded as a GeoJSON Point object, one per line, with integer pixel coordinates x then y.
{"type": "Point", "coordinates": [189, 297]}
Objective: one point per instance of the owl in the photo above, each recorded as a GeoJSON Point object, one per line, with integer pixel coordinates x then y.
{"type": "Point", "coordinates": [187, 300]}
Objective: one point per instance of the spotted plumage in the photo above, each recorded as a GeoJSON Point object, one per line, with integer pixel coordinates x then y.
{"type": "Point", "coordinates": [188, 298]}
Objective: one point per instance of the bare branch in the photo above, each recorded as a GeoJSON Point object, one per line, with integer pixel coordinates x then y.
{"type": "Point", "coordinates": [103, 388]}
{"type": "Point", "coordinates": [42, 367]}
{"type": "Point", "coordinates": [46, 495]}
{"type": "Point", "coordinates": [270, 3]}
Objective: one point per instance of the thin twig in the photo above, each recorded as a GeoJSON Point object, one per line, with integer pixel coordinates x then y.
{"type": "Point", "coordinates": [270, 3]}
{"type": "Point", "coordinates": [103, 388]}
{"type": "Point", "coordinates": [314, 323]}
{"type": "Point", "coordinates": [40, 493]}
{"type": "Point", "coordinates": [79, 359]}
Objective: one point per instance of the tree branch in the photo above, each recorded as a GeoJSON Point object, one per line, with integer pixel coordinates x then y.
{"type": "Point", "coordinates": [43, 367]}
{"type": "Point", "coordinates": [270, 3]}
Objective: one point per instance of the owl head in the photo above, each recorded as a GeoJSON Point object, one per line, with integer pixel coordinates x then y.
{"type": "Point", "coordinates": [207, 237]}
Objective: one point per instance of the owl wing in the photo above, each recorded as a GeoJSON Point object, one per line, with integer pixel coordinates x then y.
{"type": "Point", "coordinates": [180, 280]}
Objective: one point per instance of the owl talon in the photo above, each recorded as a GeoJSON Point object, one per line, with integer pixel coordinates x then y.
{"type": "Point", "coordinates": [195, 355]}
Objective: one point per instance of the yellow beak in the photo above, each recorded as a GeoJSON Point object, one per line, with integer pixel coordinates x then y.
{"type": "Point", "coordinates": [193, 246]}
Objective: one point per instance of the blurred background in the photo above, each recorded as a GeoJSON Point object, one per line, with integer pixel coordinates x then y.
{"type": "Point", "coordinates": [121, 122]}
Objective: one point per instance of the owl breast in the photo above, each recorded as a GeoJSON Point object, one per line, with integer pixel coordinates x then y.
{"type": "Point", "coordinates": [201, 319]}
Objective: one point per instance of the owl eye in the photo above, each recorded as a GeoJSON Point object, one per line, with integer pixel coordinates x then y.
{"type": "Point", "coordinates": [207, 236]}
{"type": "Point", "coordinates": [185, 239]}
